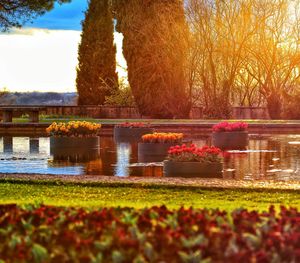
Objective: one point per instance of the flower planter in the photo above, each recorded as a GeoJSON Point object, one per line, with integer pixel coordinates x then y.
{"type": "Point", "coordinates": [128, 134]}
{"type": "Point", "coordinates": [75, 148]}
{"type": "Point", "coordinates": [192, 169]}
{"type": "Point", "coordinates": [235, 140]}
{"type": "Point", "coordinates": [153, 152]}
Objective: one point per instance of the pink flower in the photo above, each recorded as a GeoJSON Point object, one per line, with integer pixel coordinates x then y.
{"type": "Point", "coordinates": [226, 127]}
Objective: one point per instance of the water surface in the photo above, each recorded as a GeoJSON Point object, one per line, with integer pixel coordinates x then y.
{"type": "Point", "coordinates": [267, 157]}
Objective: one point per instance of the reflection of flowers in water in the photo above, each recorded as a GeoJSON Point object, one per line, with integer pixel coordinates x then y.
{"type": "Point", "coordinates": [123, 159]}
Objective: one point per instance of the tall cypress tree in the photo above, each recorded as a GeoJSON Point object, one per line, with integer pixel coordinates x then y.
{"type": "Point", "coordinates": [96, 72]}
{"type": "Point", "coordinates": [155, 48]}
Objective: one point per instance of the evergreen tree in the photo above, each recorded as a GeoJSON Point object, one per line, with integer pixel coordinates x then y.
{"type": "Point", "coordinates": [96, 72]}
{"type": "Point", "coordinates": [155, 46]}
{"type": "Point", "coordinates": [14, 13]}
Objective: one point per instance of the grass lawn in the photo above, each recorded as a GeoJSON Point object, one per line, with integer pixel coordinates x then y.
{"type": "Point", "coordinates": [57, 118]}
{"type": "Point", "coordinates": [137, 196]}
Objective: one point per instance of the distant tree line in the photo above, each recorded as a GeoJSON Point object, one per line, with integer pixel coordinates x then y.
{"type": "Point", "coordinates": [37, 98]}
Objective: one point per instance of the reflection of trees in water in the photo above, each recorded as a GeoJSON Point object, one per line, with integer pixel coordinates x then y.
{"type": "Point", "coordinates": [287, 154]}
{"type": "Point", "coordinates": [237, 162]}
{"type": "Point", "coordinates": [246, 165]}
{"type": "Point", "coordinates": [7, 144]}
{"type": "Point", "coordinates": [115, 159]}
{"type": "Point", "coordinates": [259, 161]}
{"type": "Point", "coordinates": [128, 153]}
{"type": "Point", "coordinates": [134, 152]}
{"type": "Point", "coordinates": [94, 167]}
{"type": "Point", "coordinates": [34, 145]}
{"type": "Point", "coordinates": [31, 146]}
{"type": "Point", "coordinates": [259, 165]}
{"type": "Point", "coordinates": [147, 171]}
{"type": "Point", "coordinates": [107, 155]}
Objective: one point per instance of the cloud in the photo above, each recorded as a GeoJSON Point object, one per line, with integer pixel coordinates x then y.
{"type": "Point", "coordinates": [34, 59]}
{"type": "Point", "coordinates": [25, 31]}
{"type": "Point", "coordinates": [40, 60]}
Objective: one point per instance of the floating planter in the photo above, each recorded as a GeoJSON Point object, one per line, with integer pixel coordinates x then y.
{"type": "Point", "coordinates": [131, 131]}
{"type": "Point", "coordinates": [74, 141]}
{"type": "Point", "coordinates": [190, 161]}
{"type": "Point", "coordinates": [230, 136]}
{"type": "Point", "coordinates": [154, 147]}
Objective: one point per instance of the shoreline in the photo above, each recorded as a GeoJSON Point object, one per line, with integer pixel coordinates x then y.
{"type": "Point", "coordinates": [147, 182]}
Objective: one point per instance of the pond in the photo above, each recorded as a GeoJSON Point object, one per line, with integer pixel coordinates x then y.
{"type": "Point", "coordinates": [275, 157]}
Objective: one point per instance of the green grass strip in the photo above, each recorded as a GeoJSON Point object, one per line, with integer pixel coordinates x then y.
{"type": "Point", "coordinates": [56, 118]}
{"type": "Point", "coordinates": [139, 196]}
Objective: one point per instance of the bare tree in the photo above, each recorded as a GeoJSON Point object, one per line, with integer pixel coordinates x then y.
{"type": "Point", "coordinates": [221, 30]}
{"type": "Point", "coordinates": [274, 52]}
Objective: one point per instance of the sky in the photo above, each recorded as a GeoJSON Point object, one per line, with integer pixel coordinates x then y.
{"type": "Point", "coordinates": [42, 56]}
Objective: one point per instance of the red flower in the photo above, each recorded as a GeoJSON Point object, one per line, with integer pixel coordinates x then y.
{"type": "Point", "coordinates": [191, 153]}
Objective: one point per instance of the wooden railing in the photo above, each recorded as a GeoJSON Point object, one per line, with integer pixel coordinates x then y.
{"type": "Point", "coordinates": [109, 112]}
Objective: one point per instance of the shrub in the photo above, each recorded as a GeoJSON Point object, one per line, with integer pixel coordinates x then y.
{"type": "Point", "coordinates": [56, 234]}
{"type": "Point", "coordinates": [120, 97]}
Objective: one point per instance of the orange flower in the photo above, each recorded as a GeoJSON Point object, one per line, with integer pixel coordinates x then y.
{"type": "Point", "coordinates": [162, 137]}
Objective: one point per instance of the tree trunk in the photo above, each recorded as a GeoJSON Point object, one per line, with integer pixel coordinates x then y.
{"type": "Point", "coordinates": [274, 104]}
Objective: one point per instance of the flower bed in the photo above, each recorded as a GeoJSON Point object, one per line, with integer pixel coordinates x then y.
{"type": "Point", "coordinates": [230, 136]}
{"type": "Point", "coordinates": [229, 127]}
{"type": "Point", "coordinates": [54, 234]}
{"type": "Point", "coordinates": [154, 147]}
{"type": "Point", "coordinates": [74, 129]}
{"type": "Point", "coordinates": [163, 137]}
{"type": "Point", "coordinates": [74, 141]}
{"type": "Point", "coordinates": [191, 161]}
{"type": "Point", "coordinates": [131, 131]}
{"type": "Point", "coordinates": [133, 125]}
